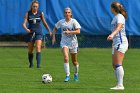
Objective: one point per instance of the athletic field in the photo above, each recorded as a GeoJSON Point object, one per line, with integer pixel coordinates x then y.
{"type": "Point", "coordinates": [95, 76]}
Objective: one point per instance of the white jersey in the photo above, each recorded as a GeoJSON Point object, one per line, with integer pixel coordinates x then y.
{"type": "Point", "coordinates": [69, 40]}
{"type": "Point", "coordinates": [120, 37]}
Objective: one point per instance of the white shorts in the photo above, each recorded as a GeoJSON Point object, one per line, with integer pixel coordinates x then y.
{"type": "Point", "coordinates": [72, 50]}
{"type": "Point", "coordinates": [120, 47]}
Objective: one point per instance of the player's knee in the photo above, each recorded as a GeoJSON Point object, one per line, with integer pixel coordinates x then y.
{"type": "Point", "coordinates": [38, 48]}
{"type": "Point", "coordinates": [30, 51]}
{"type": "Point", "coordinates": [66, 59]}
{"type": "Point", "coordinates": [75, 63]}
{"type": "Point", "coordinates": [74, 60]}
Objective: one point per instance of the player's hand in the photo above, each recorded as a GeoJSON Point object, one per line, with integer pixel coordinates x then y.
{"type": "Point", "coordinates": [67, 31]}
{"type": "Point", "coordinates": [28, 30]}
{"type": "Point", "coordinates": [110, 37]}
{"type": "Point", "coordinates": [50, 33]}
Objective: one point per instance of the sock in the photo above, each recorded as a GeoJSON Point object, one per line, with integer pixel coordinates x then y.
{"type": "Point", "coordinates": [76, 69]}
{"type": "Point", "coordinates": [120, 74]}
{"type": "Point", "coordinates": [38, 58]}
{"type": "Point", "coordinates": [30, 58]}
{"type": "Point", "coordinates": [115, 72]}
{"type": "Point", "coordinates": [67, 69]}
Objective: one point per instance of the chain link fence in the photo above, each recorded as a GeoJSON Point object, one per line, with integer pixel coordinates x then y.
{"type": "Point", "coordinates": [84, 41]}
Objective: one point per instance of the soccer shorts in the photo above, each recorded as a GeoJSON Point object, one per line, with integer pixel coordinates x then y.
{"type": "Point", "coordinates": [30, 38]}
{"type": "Point", "coordinates": [71, 50]}
{"type": "Point", "coordinates": [120, 47]}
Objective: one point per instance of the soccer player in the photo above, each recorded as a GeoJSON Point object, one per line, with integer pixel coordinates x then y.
{"type": "Point", "coordinates": [34, 30]}
{"type": "Point", "coordinates": [120, 42]}
{"type": "Point", "coordinates": [69, 44]}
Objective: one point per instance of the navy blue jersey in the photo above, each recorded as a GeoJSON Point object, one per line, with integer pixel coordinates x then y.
{"type": "Point", "coordinates": [34, 22]}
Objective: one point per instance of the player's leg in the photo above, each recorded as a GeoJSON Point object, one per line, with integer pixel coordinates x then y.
{"type": "Point", "coordinates": [30, 53]}
{"type": "Point", "coordinates": [65, 51]}
{"type": "Point", "coordinates": [76, 65]}
{"type": "Point", "coordinates": [119, 68]}
{"type": "Point", "coordinates": [119, 72]}
{"type": "Point", "coordinates": [75, 62]}
{"type": "Point", "coordinates": [38, 52]}
{"type": "Point", "coordinates": [113, 62]}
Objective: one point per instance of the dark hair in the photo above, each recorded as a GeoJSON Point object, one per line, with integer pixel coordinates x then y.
{"type": "Point", "coordinates": [118, 8]}
{"type": "Point", "coordinates": [34, 1]}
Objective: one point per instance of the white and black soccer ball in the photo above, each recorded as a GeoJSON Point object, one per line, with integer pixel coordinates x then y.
{"type": "Point", "coordinates": [46, 78]}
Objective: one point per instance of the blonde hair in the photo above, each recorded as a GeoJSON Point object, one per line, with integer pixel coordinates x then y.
{"type": "Point", "coordinates": [118, 8]}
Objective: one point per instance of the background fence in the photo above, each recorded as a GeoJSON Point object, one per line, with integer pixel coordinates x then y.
{"type": "Point", "coordinates": [93, 15]}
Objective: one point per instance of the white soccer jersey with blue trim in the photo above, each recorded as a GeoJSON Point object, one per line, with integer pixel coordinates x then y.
{"type": "Point", "coordinates": [69, 40]}
{"type": "Point", "coordinates": [121, 35]}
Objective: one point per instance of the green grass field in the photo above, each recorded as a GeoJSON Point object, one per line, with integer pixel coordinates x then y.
{"type": "Point", "coordinates": [95, 76]}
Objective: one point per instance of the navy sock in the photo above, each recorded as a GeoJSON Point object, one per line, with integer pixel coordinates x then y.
{"type": "Point", "coordinates": [30, 58]}
{"type": "Point", "coordinates": [118, 65]}
{"type": "Point", "coordinates": [38, 58]}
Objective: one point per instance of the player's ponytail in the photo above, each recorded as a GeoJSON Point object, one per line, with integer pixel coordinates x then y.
{"type": "Point", "coordinates": [123, 12]}
{"type": "Point", "coordinates": [118, 8]}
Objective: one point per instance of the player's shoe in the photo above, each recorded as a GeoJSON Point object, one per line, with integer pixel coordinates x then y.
{"type": "Point", "coordinates": [118, 87]}
{"type": "Point", "coordinates": [75, 77]}
{"type": "Point", "coordinates": [67, 78]}
{"type": "Point", "coordinates": [38, 66]}
{"type": "Point", "coordinates": [31, 65]}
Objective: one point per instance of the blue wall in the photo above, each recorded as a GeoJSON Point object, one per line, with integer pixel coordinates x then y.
{"type": "Point", "coordinates": [93, 15]}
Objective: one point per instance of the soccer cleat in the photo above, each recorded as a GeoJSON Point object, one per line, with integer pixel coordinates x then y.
{"type": "Point", "coordinates": [31, 65]}
{"type": "Point", "coordinates": [38, 66]}
{"type": "Point", "coordinates": [67, 78]}
{"type": "Point", "coordinates": [75, 77]}
{"type": "Point", "coordinates": [118, 87]}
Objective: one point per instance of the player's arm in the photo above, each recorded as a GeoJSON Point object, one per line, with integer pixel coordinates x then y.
{"type": "Point", "coordinates": [77, 31]}
{"type": "Point", "coordinates": [118, 28]}
{"type": "Point", "coordinates": [45, 24]}
{"type": "Point", "coordinates": [77, 28]}
{"type": "Point", "coordinates": [53, 37]}
{"type": "Point", "coordinates": [24, 23]}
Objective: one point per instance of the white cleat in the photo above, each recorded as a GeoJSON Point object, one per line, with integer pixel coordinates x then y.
{"type": "Point", "coordinates": [118, 87]}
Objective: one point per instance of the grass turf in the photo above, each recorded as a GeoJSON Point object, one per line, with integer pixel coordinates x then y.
{"type": "Point", "coordinates": [95, 75]}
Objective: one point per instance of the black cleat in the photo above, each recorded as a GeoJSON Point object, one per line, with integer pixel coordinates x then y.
{"type": "Point", "coordinates": [31, 65]}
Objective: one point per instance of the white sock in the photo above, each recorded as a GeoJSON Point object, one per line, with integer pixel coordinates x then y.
{"type": "Point", "coordinates": [115, 72]}
{"type": "Point", "coordinates": [67, 69]}
{"type": "Point", "coordinates": [76, 69]}
{"type": "Point", "coordinates": [120, 74]}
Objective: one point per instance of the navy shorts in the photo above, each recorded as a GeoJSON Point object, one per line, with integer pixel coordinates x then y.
{"type": "Point", "coordinates": [32, 38]}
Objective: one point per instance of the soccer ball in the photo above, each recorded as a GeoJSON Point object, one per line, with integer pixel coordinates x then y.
{"type": "Point", "coordinates": [46, 78]}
